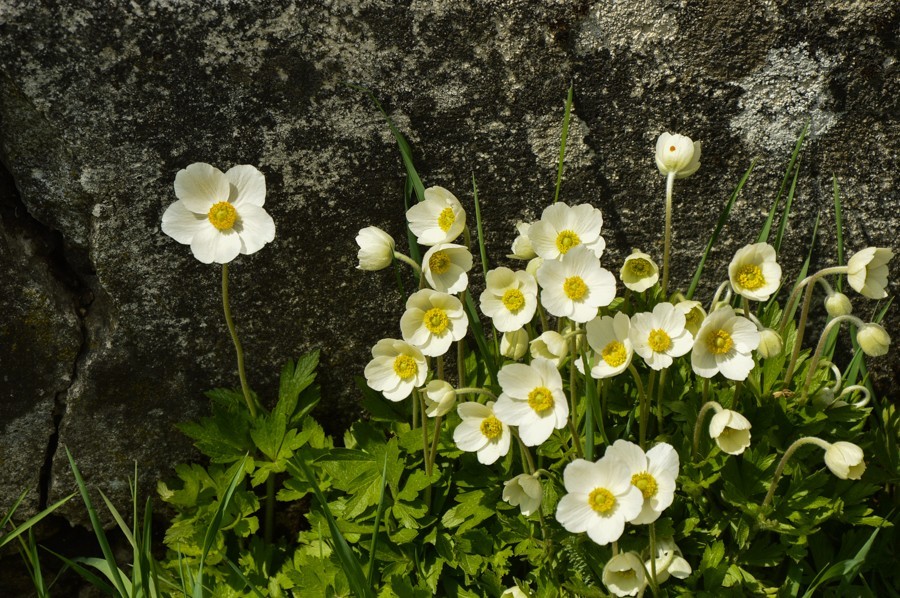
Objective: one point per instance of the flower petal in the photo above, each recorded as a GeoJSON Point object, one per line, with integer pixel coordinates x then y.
{"type": "Point", "coordinates": [199, 186]}
{"type": "Point", "coordinates": [256, 228]}
{"type": "Point", "coordinates": [181, 224]}
{"type": "Point", "coordinates": [248, 185]}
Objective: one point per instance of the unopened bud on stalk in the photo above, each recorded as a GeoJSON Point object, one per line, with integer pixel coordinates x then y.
{"type": "Point", "coordinates": [873, 339]}
{"type": "Point", "coordinates": [770, 343]}
{"type": "Point", "coordinates": [514, 344]}
{"type": "Point", "coordinates": [838, 304]}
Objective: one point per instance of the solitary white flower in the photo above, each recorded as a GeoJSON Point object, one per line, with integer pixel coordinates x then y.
{"type": "Point", "coordinates": [550, 345]}
{"type": "Point", "coordinates": [440, 398]}
{"type": "Point", "coordinates": [521, 247]}
{"type": "Point", "coordinates": [639, 272]}
{"type": "Point", "coordinates": [562, 228]}
{"type": "Point", "coordinates": [576, 286]}
{"type": "Point", "coordinates": [432, 321]}
{"type": "Point", "coordinates": [730, 430]}
{"type": "Point", "coordinates": [754, 273]}
{"type": "Point", "coordinates": [396, 369]}
{"type": "Point", "coordinates": [677, 154]}
{"type": "Point", "coordinates": [694, 314]}
{"type": "Point", "coordinates": [770, 343]}
{"type": "Point", "coordinates": [219, 215]}
{"type": "Point", "coordinates": [609, 338]}
{"type": "Point", "coordinates": [509, 299]}
{"type": "Point", "coordinates": [376, 249]}
{"type": "Point", "coordinates": [838, 304]}
{"type": "Point", "coordinates": [623, 574]}
{"type": "Point", "coordinates": [524, 491]}
{"type": "Point", "coordinates": [445, 266]}
{"type": "Point", "coordinates": [873, 339]}
{"type": "Point", "coordinates": [514, 344]}
{"type": "Point", "coordinates": [723, 344]}
{"type": "Point", "coordinates": [669, 561]}
{"type": "Point", "coordinates": [867, 271]}
{"type": "Point", "coordinates": [481, 432]}
{"type": "Point", "coordinates": [440, 218]}
{"type": "Point", "coordinates": [600, 499]}
{"type": "Point", "coordinates": [532, 399]}
{"type": "Point", "coordinates": [845, 460]}
{"type": "Point", "coordinates": [660, 336]}
{"type": "Point", "coordinates": [653, 473]}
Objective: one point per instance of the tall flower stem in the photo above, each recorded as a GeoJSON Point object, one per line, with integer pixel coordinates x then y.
{"type": "Point", "coordinates": [245, 388]}
{"type": "Point", "coordinates": [787, 455]}
{"type": "Point", "coordinates": [659, 402]}
{"type": "Point", "coordinates": [667, 238]}
{"type": "Point", "coordinates": [653, 583]}
{"type": "Point", "coordinates": [642, 437]}
{"type": "Point", "coordinates": [476, 391]}
{"type": "Point", "coordinates": [820, 348]}
{"type": "Point", "coordinates": [700, 416]}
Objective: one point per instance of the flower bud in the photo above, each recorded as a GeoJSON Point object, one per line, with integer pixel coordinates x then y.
{"type": "Point", "coordinates": [770, 343]}
{"type": "Point", "coordinates": [623, 574]}
{"type": "Point", "coordinates": [873, 339]}
{"type": "Point", "coordinates": [867, 271]}
{"type": "Point", "coordinates": [845, 460]}
{"type": "Point", "coordinates": [521, 247]}
{"type": "Point", "coordinates": [639, 272]}
{"type": "Point", "coordinates": [534, 265]}
{"type": "Point", "coordinates": [731, 431]}
{"type": "Point", "coordinates": [514, 344]}
{"type": "Point", "coordinates": [694, 314]}
{"type": "Point", "coordinates": [550, 345]}
{"type": "Point", "coordinates": [838, 304]}
{"type": "Point", "coordinates": [376, 248]}
{"type": "Point", "coordinates": [524, 491]}
{"type": "Point", "coordinates": [440, 398]}
{"type": "Point", "coordinates": [677, 155]}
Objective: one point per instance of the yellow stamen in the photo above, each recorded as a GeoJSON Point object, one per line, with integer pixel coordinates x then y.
{"type": "Point", "coordinates": [614, 353]}
{"type": "Point", "coordinates": [601, 500]}
{"type": "Point", "coordinates": [639, 267]}
{"type": "Point", "coordinates": [540, 399]}
{"type": "Point", "coordinates": [645, 483]}
{"type": "Point", "coordinates": [446, 219]}
{"type": "Point", "coordinates": [750, 277]}
{"type": "Point", "coordinates": [439, 262]}
{"type": "Point", "coordinates": [659, 340]}
{"type": "Point", "coordinates": [693, 318]}
{"type": "Point", "coordinates": [491, 427]}
{"type": "Point", "coordinates": [513, 300]}
{"type": "Point", "coordinates": [566, 240]}
{"type": "Point", "coordinates": [574, 288]}
{"type": "Point", "coordinates": [222, 215]}
{"type": "Point", "coordinates": [436, 320]}
{"type": "Point", "coordinates": [719, 342]}
{"type": "Point", "coordinates": [405, 367]}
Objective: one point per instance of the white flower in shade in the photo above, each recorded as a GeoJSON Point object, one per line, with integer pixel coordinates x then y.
{"type": "Point", "coordinates": [521, 247]}
{"type": "Point", "coordinates": [724, 344]}
{"type": "Point", "coordinates": [754, 273]}
{"type": "Point", "coordinates": [376, 249]}
{"type": "Point", "coordinates": [660, 336]}
{"type": "Point", "coordinates": [677, 154]}
{"type": "Point", "coordinates": [509, 299]}
{"type": "Point", "coordinates": [867, 271]}
{"type": "Point", "coordinates": [445, 266]}
{"type": "Point", "coordinates": [440, 398]}
{"type": "Point", "coordinates": [524, 491]}
{"type": "Point", "coordinates": [873, 339]}
{"type": "Point", "coordinates": [481, 432]}
{"type": "Point", "coordinates": [514, 592]}
{"type": "Point", "coordinates": [600, 499]}
{"type": "Point", "coordinates": [845, 460]}
{"type": "Point", "coordinates": [653, 473]}
{"type": "Point", "coordinates": [623, 574]}
{"type": "Point", "coordinates": [694, 314]}
{"type": "Point", "coordinates": [219, 215]}
{"type": "Point", "coordinates": [562, 228]}
{"type": "Point", "coordinates": [608, 337]}
{"type": "Point", "coordinates": [576, 286]}
{"type": "Point", "coordinates": [532, 399]}
{"type": "Point", "coordinates": [514, 344]}
{"type": "Point", "coordinates": [534, 264]}
{"type": "Point", "coordinates": [639, 272]}
{"type": "Point", "coordinates": [730, 430]}
{"type": "Point", "coordinates": [440, 218]}
{"type": "Point", "coordinates": [432, 321]}
{"type": "Point", "coordinates": [838, 304]}
{"type": "Point", "coordinates": [669, 561]}
{"type": "Point", "coordinates": [550, 345]}
{"type": "Point", "coordinates": [396, 369]}
{"type": "Point", "coordinates": [770, 343]}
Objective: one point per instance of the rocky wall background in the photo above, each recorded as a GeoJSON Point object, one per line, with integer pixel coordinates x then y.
{"type": "Point", "coordinates": [110, 331]}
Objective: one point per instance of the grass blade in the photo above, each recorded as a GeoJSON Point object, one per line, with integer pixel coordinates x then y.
{"type": "Point", "coordinates": [764, 233]}
{"type": "Point", "coordinates": [562, 143]}
{"type": "Point", "coordinates": [243, 577]}
{"type": "Point", "coordinates": [782, 225]}
{"type": "Point", "coordinates": [31, 522]}
{"type": "Point", "coordinates": [95, 580]}
{"type": "Point", "coordinates": [481, 247]}
{"type": "Point", "coordinates": [478, 333]}
{"type": "Point", "coordinates": [838, 229]}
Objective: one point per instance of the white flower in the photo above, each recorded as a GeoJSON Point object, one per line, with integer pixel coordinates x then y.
{"type": "Point", "coordinates": [534, 264]}
{"type": "Point", "coordinates": [653, 473]}
{"type": "Point", "coordinates": [677, 154]}
{"type": "Point", "coordinates": [550, 345]}
{"type": "Point", "coordinates": [509, 299]}
{"type": "Point", "coordinates": [723, 344]}
{"type": "Point", "coordinates": [623, 574]}
{"type": "Point", "coordinates": [396, 368]}
{"type": "Point", "coordinates": [432, 321]}
{"type": "Point", "coordinates": [562, 228]}
{"type": "Point", "coordinates": [532, 399]}
{"type": "Point", "coordinates": [867, 271]}
{"type": "Point", "coordinates": [480, 431]}
{"type": "Point", "coordinates": [770, 343]}
{"type": "Point", "coordinates": [514, 344]}
{"type": "Point", "coordinates": [730, 430]}
{"type": "Point", "coordinates": [524, 491]}
{"type": "Point", "coordinates": [838, 304]}
{"type": "Point", "coordinates": [440, 218]}
{"type": "Point", "coordinates": [219, 215]}
{"type": "Point", "coordinates": [514, 592]}
{"type": "Point", "coordinates": [445, 266]}
{"type": "Point", "coordinates": [754, 273]}
{"type": "Point", "coordinates": [669, 561]}
{"type": "Point", "coordinates": [694, 314]}
{"type": "Point", "coordinates": [440, 398]}
{"type": "Point", "coordinates": [576, 286]}
{"type": "Point", "coordinates": [521, 247]}
{"type": "Point", "coordinates": [376, 249]}
{"type": "Point", "coordinates": [873, 339]}
{"type": "Point", "coordinates": [608, 337]}
{"type": "Point", "coordinates": [639, 272]}
{"type": "Point", "coordinates": [600, 499]}
{"type": "Point", "coordinates": [845, 460]}
{"type": "Point", "coordinates": [660, 336]}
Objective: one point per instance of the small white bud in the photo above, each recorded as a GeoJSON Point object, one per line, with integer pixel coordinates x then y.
{"type": "Point", "coordinates": [838, 304]}
{"type": "Point", "coordinates": [514, 344]}
{"type": "Point", "coordinates": [770, 343]}
{"type": "Point", "coordinates": [873, 339]}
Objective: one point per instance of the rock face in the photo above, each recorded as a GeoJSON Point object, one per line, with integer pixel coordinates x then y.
{"type": "Point", "coordinates": [110, 331]}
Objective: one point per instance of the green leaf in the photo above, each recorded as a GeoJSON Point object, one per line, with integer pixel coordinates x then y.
{"type": "Point", "coordinates": [562, 142]}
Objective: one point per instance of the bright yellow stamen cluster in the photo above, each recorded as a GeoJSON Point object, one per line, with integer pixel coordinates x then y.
{"type": "Point", "coordinates": [574, 288]}
{"type": "Point", "coordinates": [566, 240]}
{"type": "Point", "coordinates": [436, 320]}
{"type": "Point", "coordinates": [750, 277]}
{"type": "Point", "coordinates": [645, 483]}
{"type": "Point", "coordinates": [639, 267]}
{"type": "Point", "coordinates": [659, 340]}
{"type": "Point", "coordinates": [693, 317]}
{"type": "Point", "coordinates": [601, 500]}
{"type": "Point", "coordinates": [540, 399]}
{"type": "Point", "coordinates": [222, 215]}
{"type": "Point", "coordinates": [405, 367]}
{"type": "Point", "coordinates": [439, 262]}
{"type": "Point", "coordinates": [446, 219]}
{"type": "Point", "coordinates": [614, 353]}
{"type": "Point", "coordinates": [513, 300]}
{"type": "Point", "coordinates": [491, 427]}
{"type": "Point", "coordinates": [719, 342]}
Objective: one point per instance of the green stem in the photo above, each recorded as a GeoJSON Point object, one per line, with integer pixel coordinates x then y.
{"type": "Point", "coordinates": [245, 388]}
{"type": "Point", "coordinates": [653, 583]}
{"type": "Point", "coordinates": [667, 243]}
{"type": "Point", "coordinates": [642, 437]}
{"type": "Point", "coordinates": [820, 348]}
{"type": "Point", "coordinates": [659, 402]}
{"type": "Point", "coordinates": [787, 455]}
{"type": "Point", "coordinates": [476, 391]}
{"type": "Point", "coordinates": [700, 416]}
{"type": "Point", "coordinates": [408, 260]}
{"type": "Point", "coordinates": [270, 509]}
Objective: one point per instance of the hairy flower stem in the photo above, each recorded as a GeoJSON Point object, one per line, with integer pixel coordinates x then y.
{"type": "Point", "coordinates": [700, 416]}
{"type": "Point", "coordinates": [642, 437]}
{"type": "Point", "coordinates": [653, 583]}
{"type": "Point", "coordinates": [787, 455]}
{"type": "Point", "coordinates": [408, 260]}
{"type": "Point", "coordinates": [476, 391]}
{"type": "Point", "coordinates": [245, 388]}
{"type": "Point", "coordinates": [659, 402]}
{"type": "Point", "coordinates": [667, 238]}
{"type": "Point", "coordinates": [270, 509]}
{"type": "Point", "coordinates": [820, 347]}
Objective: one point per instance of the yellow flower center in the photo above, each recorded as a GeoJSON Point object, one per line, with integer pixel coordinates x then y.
{"type": "Point", "coordinates": [751, 277]}
{"type": "Point", "coordinates": [540, 399]}
{"type": "Point", "coordinates": [574, 288]}
{"type": "Point", "coordinates": [439, 262]}
{"type": "Point", "coordinates": [491, 427]}
{"type": "Point", "coordinates": [645, 483]}
{"type": "Point", "coordinates": [222, 215]}
{"type": "Point", "coordinates": [405, 367]}
{"type": "Point", "coordinates": [446, 219]}
{"type": "Point", "coordinates": [639, 267]}
{"type": "Point", "coordinates": [614, 353]}
{"type": "Point", "coordinates": [513, 300]}
{"type": "Point", "coordinates": [436, 320]}
{"type": "Point", "coordinates": [659, 340]}
{"type": "Point", "coordinates": [693, 318]}
{"type": "Point", "coordinates": [566, 240]}
{"type": "Point", "coordinates": [719, 342]}
{"type": "Point", "coordinates": [601, 500]}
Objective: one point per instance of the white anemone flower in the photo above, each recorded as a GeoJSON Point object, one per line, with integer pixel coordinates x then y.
{"type": "Point", "coordinates": [623, 574]}
{"type": "Point", "coordinates": [524, 491]}
{"type": "Point", "coordinates": [576, 286]}
{"type": "Point", "coordinates": [639, 272]}
{"type": "Point", "coordinates": [432, 321]}
{"type": "Point", "coordinates": [845, 460]}
{"type": "Point", "coordinates": [481, 432]}
{"type": "Point", "coordinates": [509, 299]}
{"type": "Point", "coordinates": [562, 228]}
{"type": "Point", "coordinates": [867, 271]}
{"type": "Point", "coordinates": [754, 273]}
{"type": "Point", "coordinates": [440, 398]}
{"type": "Point", "coordinates": [600, 499]}
{"type": "Point", "coordinates": [677, 155]}
{"type": "Point", "coordinates": [445, 266]}
{"type": "Point", "coordinates": [660, 336]}
{"type": "Point", "coordinates": [670, 562]}
{"type": "Point", "coordinates": [694, 314]}
{"type": "Point", "coordinates": [608, 337]}
{"type": "Point", "coordinates": [724, 344]}
{"type": "Point", "coordinates": [653, 473]}
{"type": "Point", "coordinates": [219, 215]}
{"type": "Point", "coordinates": [376, 249]}
{"type": "Point", "coordinates": [550, 345]}
{"type": "Point", "coordinates": [730, 430]}
{"type": "Point", "coordinates": [440, 218]}
{"type": "Point", "coordinates": [873, 339]}
{"type": "Point", "coordinates": [532, 399]}
{"type": "Point", "coordinates": [396, 369]}
{"type": "Point", "coordinates": [521, 247]}
{"type": "Point", "coordinates": [514, 344]}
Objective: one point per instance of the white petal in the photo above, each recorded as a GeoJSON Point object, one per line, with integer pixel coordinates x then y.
{"type": "Point", "coordinates": [199, 186]}
{"type": "Point", "coordinates": [256, 228]}
{"type": "Point", "coordinates": [248, 185]}
{"type": "Point", "coordinates": [181, 224]}
{"type": "Point", "coordinates": [211, 245]}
